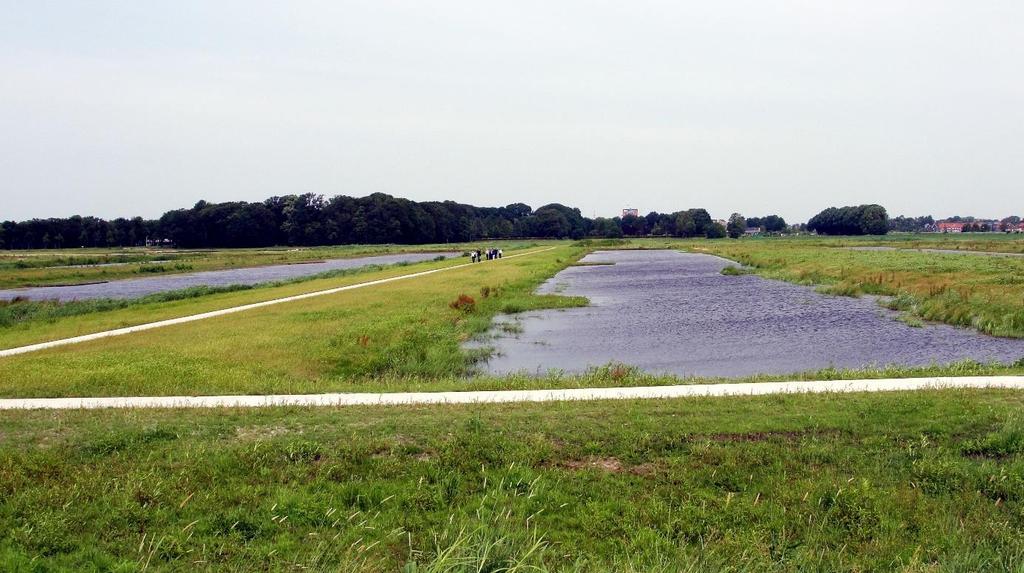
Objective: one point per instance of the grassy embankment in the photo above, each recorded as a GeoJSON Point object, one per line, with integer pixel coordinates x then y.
{"type": "Point", "coordinates": [36, 268]}
{"type": "Point", "coordinates": [352, 340]}
{"type": "Point", "coordinates": [928, 481]}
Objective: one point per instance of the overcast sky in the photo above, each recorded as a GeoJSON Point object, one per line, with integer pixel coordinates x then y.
{"type": "Point", "coordinates": [760, 106]}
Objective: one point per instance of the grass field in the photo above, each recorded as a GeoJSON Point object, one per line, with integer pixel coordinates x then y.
{"type": "Point", "coordinates": [350, 340]}
{"type": "Point", "coordinates": [986, 242]}
{"type": "Point", "coordinates": [929, 481]}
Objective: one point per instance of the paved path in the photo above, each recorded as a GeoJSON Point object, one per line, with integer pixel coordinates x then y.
{"type": "Point", "coordinates": [407, 398]}
{"type": "Point", "coordinates": [232, 310]}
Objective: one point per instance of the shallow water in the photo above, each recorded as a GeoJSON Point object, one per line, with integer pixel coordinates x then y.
{"type": "Point", "coordinates": [675, 313]}
{"type": "Point", "coordinates": [134, 288]}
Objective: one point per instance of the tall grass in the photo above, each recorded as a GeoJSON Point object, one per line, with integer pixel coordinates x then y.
{"type": "Point", "coordinates": [495, 538]}
{"type": "Point", "coordinates": [983, 293]}
{"type": "Point", "coordinates": [861, 482]}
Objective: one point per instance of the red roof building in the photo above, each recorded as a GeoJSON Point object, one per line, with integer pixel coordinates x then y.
{"type": "Point", "coordinates": [946, 227]}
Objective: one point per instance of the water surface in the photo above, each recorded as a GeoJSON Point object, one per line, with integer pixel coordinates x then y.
{"type": "Point", "coordinates": [675, 313]}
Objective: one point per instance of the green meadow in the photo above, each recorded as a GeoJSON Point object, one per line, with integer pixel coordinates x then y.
{"type": "Point", "coordinates": [403, 329]}
{"type": "Point", "coordinates": [926, 481]}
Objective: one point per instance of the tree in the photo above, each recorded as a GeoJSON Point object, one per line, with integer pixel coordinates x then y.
{"type": "Point", "coordinates": [736, 226]}
{"type": "Point", "coordinates": [774, 224]}
{"type": "Point", "coordinates": [552, 223]}
{"type": "Point", "coordinates": [303, 220]}
{"type": "Point", "coordinates": [685, 226]}
{"type": "Point", "coordinates": [701, 220]}
{"type": "Point", "coordinates": [607, 228]}
{"type": "Point", "coordinates": [873, 220]}
{"type": "Point", "coordinates": [860, 220]}
{"type": "Point", "coordinates": [633, 226]}
{"type": "Point", "coordinates": [715, 231]}
{"type": "Point", "coordinates": [572, 216]}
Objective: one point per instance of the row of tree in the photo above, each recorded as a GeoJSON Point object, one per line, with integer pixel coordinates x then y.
{"type": "Point", "coordinates": [76, 231]}
{"type": "Point", "coordinates": [903, 224]}
{"type": "Point", "coordinates": [859, 220]}
{"type": "Point", "coordinates": [928, 224]}
{"type": "Point", "coordinates": [312, 219]}
{"type": "Point", "coordinates": [689, 223]}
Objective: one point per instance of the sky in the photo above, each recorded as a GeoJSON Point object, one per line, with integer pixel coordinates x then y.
{"type": "Point", "coordinates": [780, 106]}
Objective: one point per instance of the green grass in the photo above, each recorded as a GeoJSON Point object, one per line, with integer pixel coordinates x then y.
{"type": "Point", "coordinates": [348, 340]}
{"type": "Point", "coordinates": [734, 271]}
{"type": "Point", "coordinates": [927, 481]}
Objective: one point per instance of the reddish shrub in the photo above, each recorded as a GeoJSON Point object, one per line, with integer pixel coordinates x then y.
{"type": "Point", "coordinates": [465, 303]}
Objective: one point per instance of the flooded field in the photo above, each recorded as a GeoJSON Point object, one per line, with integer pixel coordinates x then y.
{"type": "Point", "coordinates": [134, 288]}
{"type": "Point", "coordinates": [675, 313]}
{"type": "Point", "coordinates": [939, 251]}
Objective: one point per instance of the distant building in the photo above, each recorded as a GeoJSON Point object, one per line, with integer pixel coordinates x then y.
{"type": "Point", "coordinates": [627, 212]}
{"type": "Point", "coordinates": [948, 227]}
{"type": "Point", "coordinates": [752, 231]}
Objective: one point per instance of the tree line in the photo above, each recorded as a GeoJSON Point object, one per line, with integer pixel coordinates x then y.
{"type": "Point", "coordinates": [858, 220]}
{"type": "Point", "coordinates": [311, 219]}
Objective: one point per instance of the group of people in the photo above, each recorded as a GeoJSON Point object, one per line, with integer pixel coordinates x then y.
{"type": "Point", "coordinates": [491, 254]}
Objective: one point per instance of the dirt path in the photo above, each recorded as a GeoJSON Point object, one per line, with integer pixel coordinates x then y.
{"type": "Point", "coordinates": [406, 398]}
{"type": "Point", "coordinates": [242, 308]}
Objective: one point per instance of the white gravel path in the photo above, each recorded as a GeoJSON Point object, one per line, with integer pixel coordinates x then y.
{"type": "Point", "coordinates": [481, 397]}
{"type": "Point", "coordinates": [232, 310]}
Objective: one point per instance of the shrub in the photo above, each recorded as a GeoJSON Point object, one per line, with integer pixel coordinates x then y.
{"type": "Point", "coordinates": [464, 303]}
